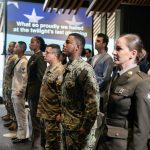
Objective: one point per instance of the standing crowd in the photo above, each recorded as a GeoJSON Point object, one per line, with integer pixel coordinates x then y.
{"type": "Point", "coordinates": [66, 98]}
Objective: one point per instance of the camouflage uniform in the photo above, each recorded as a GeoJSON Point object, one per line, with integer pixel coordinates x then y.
{"type": "Point", "coordinates": [79, 95]}
{"type": "Point", "coordinates": [7, 82]}
{"type": "Point", "coordinates": [49, 105]}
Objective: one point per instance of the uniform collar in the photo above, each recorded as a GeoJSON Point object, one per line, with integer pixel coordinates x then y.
{"type": "Point", "coordinates": [123, 78]}
{"type": "Point", "coordinates": [51, 69]}
{"type": "Point", "coordinates": [126, 69]}
{"type": "Point", "coordinates": [73, 63]}
{"type": "Point", "coordinates": [37, 52]}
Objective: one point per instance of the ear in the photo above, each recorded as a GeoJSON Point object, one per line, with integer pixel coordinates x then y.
{"type": "Point", "coordinates": [104, 44]}
{"type": "Point", "coordinates": [78, 47]}
{"type": "Point", "coordinates": [133, 53]}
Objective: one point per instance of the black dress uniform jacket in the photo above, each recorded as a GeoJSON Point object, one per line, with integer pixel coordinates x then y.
{"type": "Point", "coordinates": [127, 123]}
{"type": "Point", "coordinates": [36, 68]}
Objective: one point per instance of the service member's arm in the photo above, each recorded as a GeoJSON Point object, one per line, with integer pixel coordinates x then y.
{"type": "Point", "coordinates": [91, 93]}
{"type": "Point", "coordinates": [141, 128]}
{"type": "Point", "coordinates": [41, 67]}
{"type": "Point", "coordinates": [24, 76]}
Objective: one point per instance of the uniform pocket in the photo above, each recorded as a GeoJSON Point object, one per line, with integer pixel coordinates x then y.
{"type": "Point", "coordinates": [122, 91]}
{"type": "Point", "coordinates": [117, 132]}
{"type": "Point", "coordinates": [51, 78]}
{"type": "Point", "coordinates": [69, 83]}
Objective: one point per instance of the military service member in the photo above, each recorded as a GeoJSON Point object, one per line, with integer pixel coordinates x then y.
{"type": "Point", "coordinates": [7, 82]}
{"type": "Point", "coordinates": [49, 102]}
{"type": "Point", "coordinates": [127, 123]}
{"type": "Point", "coordinates": [19, 83]}
{"type": "Point", "coordinates": [36, 68]}
{"type": "Point", "coordinates": [79, 95]}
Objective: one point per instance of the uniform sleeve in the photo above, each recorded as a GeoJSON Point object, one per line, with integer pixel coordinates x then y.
{"type": "Point", "coordinates": [91, 92]}
{"type": "Point", "coordinates": [41, 67]}
{"type": "Point", "coordinates": [141, 128]}
{"type": "Point", "coordinates": [59, 81]}
{"type": "Point", "coordinates": [24, 75]}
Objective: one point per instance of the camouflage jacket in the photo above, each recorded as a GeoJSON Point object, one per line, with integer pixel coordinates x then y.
{"type": "Point", "coordinates": [7, 77]}
{"type": "Point", "coordinates": [49, 102]}
{"type": "Point", "coordinates": [79, 95]}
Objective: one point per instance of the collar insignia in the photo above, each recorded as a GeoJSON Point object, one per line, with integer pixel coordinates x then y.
{"type": "Point", "coordinates": [130, 73]}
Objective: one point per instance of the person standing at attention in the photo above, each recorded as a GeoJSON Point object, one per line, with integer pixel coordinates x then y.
{"type": "Point", "coordinates": [79, 95]}
{"type": "Point", "coordinates": [49, 102]}
{"type": "Point", "coordinates": [127, 121]}
{"type": "Point", "coordinates": [36, 69]}
{"type": "Point", "coordinates": [7, 83]}
{"type": "Point", "coordinates": [19, 83]}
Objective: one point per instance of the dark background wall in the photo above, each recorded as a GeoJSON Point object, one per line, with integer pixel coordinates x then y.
{"type": "Point", "coordinates": [135, 19]}
{"type": "Point", "coordinates": [85, 3]}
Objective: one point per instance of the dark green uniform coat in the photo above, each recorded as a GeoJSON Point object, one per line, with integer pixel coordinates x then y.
{"type": "Point", "coordinates": [128, 115]}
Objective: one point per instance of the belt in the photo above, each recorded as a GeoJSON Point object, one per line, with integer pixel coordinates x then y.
{"type": "Point", "coordinates": [117, 122]}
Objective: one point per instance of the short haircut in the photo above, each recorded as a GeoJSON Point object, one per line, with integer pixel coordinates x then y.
{"type": "Point", "coordinates": [22, 45]}
{"type": "Point", "coordinates": [56, 49]}
{"type": "Point", "coordinates": [89, 50]}
{"type": "Point", "coordinates": [105, 39]}
{"type": "Point", "coordinates": [79, 39]}
{"type": "Point", "coordinates": [14, 43]}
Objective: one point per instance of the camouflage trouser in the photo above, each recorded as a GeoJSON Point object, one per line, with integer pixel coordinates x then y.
{"type": "Point", "coordinates": [74, 141]}
{"type": "Point", "coordinates": [91, 139]}
{"type": "Point", "coordinates": [8, 102]}
{"type": "Point", "coordinates": [52, 133]}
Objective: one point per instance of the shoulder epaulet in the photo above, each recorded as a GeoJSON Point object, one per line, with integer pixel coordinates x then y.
{"type": "Point", "coordinates": [142, 74]}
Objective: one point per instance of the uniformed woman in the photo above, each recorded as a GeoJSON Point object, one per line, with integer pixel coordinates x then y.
{"type": "Point", "coordinates": [36, 68]}
{"type": "Point", "coordinates": [127, 120]}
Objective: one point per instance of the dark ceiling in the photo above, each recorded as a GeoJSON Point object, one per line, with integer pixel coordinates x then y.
{"type": "Point", "coordinates": [86, 3]}
{"type": "Point", "coordinates": [93, 6]}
